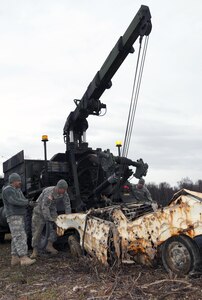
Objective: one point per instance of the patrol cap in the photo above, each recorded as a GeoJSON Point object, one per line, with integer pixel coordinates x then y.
{"type": "Point", "coordinates": [141, 181]}
{"type": "Point", "coordinates": [62, 184]}
{"type": "Point", "coordinates": [14, 177]}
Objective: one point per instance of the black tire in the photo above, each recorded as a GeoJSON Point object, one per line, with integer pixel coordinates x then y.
{"type": "Point", "coordinates": [198, 240]}
{"type": "Point", "coordinates": [2, 237]}
{"type": "Point", "coordinates": [44, 236]}
{"type": "Point", "coordinates": [74, 246]}
{"type": "Point", "coordinates": [61, 244]}
{"type": "Point", "coordinates": [180, 255]}
{"type": "Point", "coordinates": [111, 252]}
{"type": "Point", "coordinates": [28, 226]}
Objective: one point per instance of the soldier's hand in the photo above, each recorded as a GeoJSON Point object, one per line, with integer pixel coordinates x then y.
{"type": "Point", "coordinates": [154, 206]}
{"type": "Point", "coordinates": [53, 220]}
{"type": "Point", "coordinates": [31, 203]}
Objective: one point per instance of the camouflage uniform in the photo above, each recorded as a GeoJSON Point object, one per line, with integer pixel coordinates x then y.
{"type": "Point", "coordinates": [46, 210]}
{"type": "Point", "coordinates": [141, 195]}
{"type": "Point", "coordinates": [15, 207]}
{"type": "Point", "coordinates": [19, 237]}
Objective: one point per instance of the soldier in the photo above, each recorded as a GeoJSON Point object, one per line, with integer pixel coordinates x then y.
{"type": "Point", "coordinates": [140, 192]}
{"type": "Point", "coordinates": [46, 211]}
{"type": "Point", "coordinates": [15, 208]}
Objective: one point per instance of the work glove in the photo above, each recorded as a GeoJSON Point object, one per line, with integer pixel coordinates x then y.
{"type": "Point", "coordinates": [53, 219]}
{"type": "Point", "coordinates": [31, 203]}
{"type": "Point", "coordinates": [154, 206]}
{"type": "Point", "coordinates": [108, 202]}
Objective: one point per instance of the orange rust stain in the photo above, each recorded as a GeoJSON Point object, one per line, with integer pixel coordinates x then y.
{"type": "Point", "coordinates": [135, 249]}
{"type": "Point", "coordinates": [60, 231]}
{"type": "Point", "coordinates": [139, 245]}
{"type": "Point", "coordinates": [188, 231]}
{"type": "Point", "coordinates": [130, 229]}
{"type": "Point", "coordinates": [185, 209]}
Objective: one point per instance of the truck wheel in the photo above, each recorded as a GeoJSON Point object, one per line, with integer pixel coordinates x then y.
{"type": "Point", "coordinates": [2, 237]}
{"type": "Point", "coordinates": [74, 246]}
{"type": "Point", "coordinates": [44, 236]}
{"type": "Point", "coordinates": [180, 255]}
{"type": "Point", "coordinates": [28, 226]}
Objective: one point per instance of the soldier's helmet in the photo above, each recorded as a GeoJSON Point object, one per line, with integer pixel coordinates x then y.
{"type": "Point", "coordinates": [14, 177]}
{"type": "Point", "coordinates": [62, 184]}
{"type": "Point", "coordinates": [141, 181]}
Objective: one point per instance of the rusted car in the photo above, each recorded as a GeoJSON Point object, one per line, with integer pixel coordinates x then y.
{"type": "Point", "coordinates": [132, 233]}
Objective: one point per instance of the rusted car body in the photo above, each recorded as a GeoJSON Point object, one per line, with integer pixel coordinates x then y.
{"type": "Point", "coordinates": [135, 233]}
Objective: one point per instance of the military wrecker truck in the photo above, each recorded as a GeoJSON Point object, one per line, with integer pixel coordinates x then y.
{"type": "Point", "coordinates": [102, 223]}
{"type": "Point", "coordinates": [93, 175]}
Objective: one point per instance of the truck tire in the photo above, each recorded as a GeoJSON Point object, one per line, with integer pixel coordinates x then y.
{"type": "Point", "coordinates": [74, 246]}
{"type": "Point", "coordinates": [44, 236]}
{"type": "Point", "coordinates": [2, 237]}
{"type": "Point", "coordinates": [28, 226]}
{"type": "Point", "coordinates": [180, 255]}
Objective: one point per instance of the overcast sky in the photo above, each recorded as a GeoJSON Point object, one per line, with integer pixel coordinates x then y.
{"type": "Point", "coordinates": [49, 52]}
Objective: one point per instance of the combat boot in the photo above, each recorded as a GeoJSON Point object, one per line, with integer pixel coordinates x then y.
{"type": "Point", "coordinates": [26, 261]}
{"type": "Point", "coordinates": [34, 253]}
{"type": "Point", "coordinates": [51, 249]}
{"type": "Point", "coordinates": [15, 260]}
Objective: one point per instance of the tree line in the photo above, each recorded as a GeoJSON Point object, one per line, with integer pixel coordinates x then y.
{"type": "Point", "coordinates": [163, 192]}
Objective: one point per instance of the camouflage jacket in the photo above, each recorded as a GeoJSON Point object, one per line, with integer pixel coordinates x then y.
{"type": "Point", "coordinates": [142, 195]}
{"type": "Point", "coordinates": [47, 203]}
{"type": "Point", "coordinates": [14, 201]}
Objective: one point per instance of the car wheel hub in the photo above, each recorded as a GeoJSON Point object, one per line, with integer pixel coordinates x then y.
{"type": "Point", "coordinates": [179, 256]}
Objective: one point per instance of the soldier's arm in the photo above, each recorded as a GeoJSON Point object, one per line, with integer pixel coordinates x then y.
{"type": "Point", "coordinates": [10, 195]}
{"type": "Point", "coordinates": [45, 207]}
{"type": "Point", "coordinates": [132, 188]}
{"type": "Point", "coordinates": [149, 197]}
{"type": "Point", "coordinates": [67, 204]}
{"type": "Point", "coordinates": [134, 192]}
{"type": "Point", "coordinates": [22, 195]}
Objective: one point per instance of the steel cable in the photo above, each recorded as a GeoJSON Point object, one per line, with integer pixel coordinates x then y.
{"type": "Point", "coordinates": [134, 96]}
{"type": "Point", "coordinates": [133, 104]}
{"type": "Point", "coordinates": [131, 101]}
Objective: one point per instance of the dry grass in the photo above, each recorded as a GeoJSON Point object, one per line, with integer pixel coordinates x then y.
{"type": "Point", "coordinates": [62, 277]}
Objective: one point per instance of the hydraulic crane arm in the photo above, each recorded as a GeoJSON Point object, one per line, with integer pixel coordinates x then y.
{"type": "Point", "coordinates": [76, 123]}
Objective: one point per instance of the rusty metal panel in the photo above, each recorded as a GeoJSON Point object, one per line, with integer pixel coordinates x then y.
{"type": "Point", "coordinates": [141, 238]}
{"type": "Point", "coordinates": [97, 234]}
{"type": "Point", "coordinates": [67, 222]}
{"type": "Point", "coordinates": [135, 239]}
{"type": "Point", "coordinates": [97, 238]}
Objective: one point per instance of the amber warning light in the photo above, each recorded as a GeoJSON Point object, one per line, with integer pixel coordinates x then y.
{"type": "Point", "coordinates": [44, 138]}
{"type": "Point", "coordinates": [118, 143]}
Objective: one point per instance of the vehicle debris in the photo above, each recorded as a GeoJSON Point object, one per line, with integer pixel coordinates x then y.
{"type": "Point", "coordinates": [135, 233]}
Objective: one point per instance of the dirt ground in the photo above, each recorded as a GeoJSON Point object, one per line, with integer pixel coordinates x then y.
{"type": "Point", "coordinates": [62, 277]}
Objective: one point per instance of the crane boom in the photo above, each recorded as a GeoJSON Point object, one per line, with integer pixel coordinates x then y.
{"type": "Point", "coordinates": [76, 123]}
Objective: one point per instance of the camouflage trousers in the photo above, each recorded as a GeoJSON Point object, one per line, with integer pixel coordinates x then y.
{"type": "Point", "coordinates": [38, 223]}
{"type": "Point", "coordinates": [18, 234]}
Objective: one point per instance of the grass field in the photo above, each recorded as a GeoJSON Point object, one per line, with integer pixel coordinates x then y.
{"type": "Point", "coordinates": [62, 277]}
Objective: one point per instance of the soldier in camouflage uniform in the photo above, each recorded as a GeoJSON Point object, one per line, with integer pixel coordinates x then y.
{"type": "Point", "coordinates": [142, 194]}
{"type": "Point", "coordinates": [15, 208]}
{"type": "Point", "coordinates": [46, 211]}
